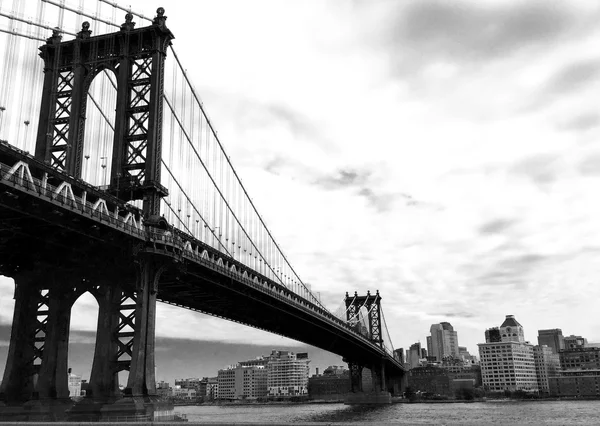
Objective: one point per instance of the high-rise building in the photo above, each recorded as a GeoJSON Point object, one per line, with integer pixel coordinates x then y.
{"type": "Point", "coordinates": [287, 374]}
{"type": "Point", "coordinates": [508, 364]}
{"type": "Point", "coordinates": [443, 341]}
{"type": "Point", "coordinates": [547, 365]}
{"type": "Point", "coordinates": [573, 342]}
{"type": "Point", "coordinates": [413, 357]}
{"type": "Point", "coordinates": [553, 338]}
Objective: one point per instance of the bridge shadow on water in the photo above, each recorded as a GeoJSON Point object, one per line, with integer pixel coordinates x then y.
{"type": "Point", "coordinates": [354, 414]}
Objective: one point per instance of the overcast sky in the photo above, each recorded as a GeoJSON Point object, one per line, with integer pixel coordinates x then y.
{"type": "Point", "coordinates": [442, 152]}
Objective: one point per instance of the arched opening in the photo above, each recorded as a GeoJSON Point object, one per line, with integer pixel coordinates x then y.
{"type": "Point", "coordinates": [82, 342]}
{"type": "Point", "coordinates": [99, 129]}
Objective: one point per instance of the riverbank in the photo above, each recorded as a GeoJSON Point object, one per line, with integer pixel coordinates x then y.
{"type": "Point", "coordinates": [246, 402]}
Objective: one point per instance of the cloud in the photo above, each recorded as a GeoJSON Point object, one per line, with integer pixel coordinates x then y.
{"type": "Point", "coordinates": [454, 315]}
{"type": "Point", "coordinates": [582, 122]}
{"type": "Point", "coordinates": [473, 32]}
{"type": "Point", "coordinates": [496, 226]}
{"type": "Point", "coordinates": [512, 270]}
{"type": "Point", "coordinates": [298, 123]}
{"type": "Point", "coordinates": [590, 166]}
{"type": "Point", "coordinates": [541, 168]}
{"type": "Point", "coordinates": [573, 77]}
{"type": "Point", "coordinates": [343, 178]}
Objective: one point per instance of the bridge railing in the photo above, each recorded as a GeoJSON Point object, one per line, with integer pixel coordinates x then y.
{"type": "Point", "coordinates": [69, 193]}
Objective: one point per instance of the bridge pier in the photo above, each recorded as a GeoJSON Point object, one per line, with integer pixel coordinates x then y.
{"type": "Point", "coordinates": [376, 392]}
{"type": "Point", "coordinates": [139, 396]}
{"type": "Point", "coordinates": [53, 379]}
{"type": "Point", "coordinates": [18, 383]}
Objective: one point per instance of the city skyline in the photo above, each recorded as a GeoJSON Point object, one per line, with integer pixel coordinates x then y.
{"type": "Point", "coordinates": [449, 169]}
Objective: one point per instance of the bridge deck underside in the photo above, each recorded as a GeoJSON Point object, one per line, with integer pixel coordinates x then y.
{"type": "Point", "coordinates": [38, 235]}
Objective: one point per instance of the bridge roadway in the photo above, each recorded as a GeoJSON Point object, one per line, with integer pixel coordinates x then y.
{"type": "Point", "coordinates": [51, 220]}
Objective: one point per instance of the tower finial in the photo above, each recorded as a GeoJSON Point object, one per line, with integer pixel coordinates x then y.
{"type": "Point", "coordinates": [160, 17]}
{"type": "Point", "coordinates": [129, 24]}
{"type": "Point", "coordinates": [85, 30]}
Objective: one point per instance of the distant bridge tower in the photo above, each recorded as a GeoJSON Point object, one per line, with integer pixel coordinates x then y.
{"type": "Point", "coordinates": [377, 392]}
{"type": "Point", "coordinates": [372, 303]}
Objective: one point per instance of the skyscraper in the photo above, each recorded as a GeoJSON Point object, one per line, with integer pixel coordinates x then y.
{"type": "Point", "coordinates": [443, 341]}
{"type": "Point", "coordinates": [414, 355]}
{"type": "Point", "coordinates": [553, 338]}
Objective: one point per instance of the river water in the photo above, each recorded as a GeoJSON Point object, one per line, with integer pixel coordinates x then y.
{"type": "Point", "coordinates": [476, 413]}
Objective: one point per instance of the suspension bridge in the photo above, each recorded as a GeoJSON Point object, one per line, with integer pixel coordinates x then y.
{"type": "Point", "coordinates": [113, 181]}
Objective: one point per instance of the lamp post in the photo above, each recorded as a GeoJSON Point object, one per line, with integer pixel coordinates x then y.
{"type": "Point", "coordinates": [87, 168]}
{"type": "Point", "coordinates": [103, 165]}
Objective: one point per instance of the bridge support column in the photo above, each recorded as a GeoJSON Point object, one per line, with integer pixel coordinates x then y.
{"type": "Point", "coordinates": [53, 379]}
{"type": "Point", "coordinates": [376, 394]}
{"type": "Point", "coordinates": [104, 379]}
{"type": "Point", "coordinates": [141, 375]}
{"type": "Point", "coordinates": [140, 393]}
{"type": "Point", "coordinates": [18, 383]}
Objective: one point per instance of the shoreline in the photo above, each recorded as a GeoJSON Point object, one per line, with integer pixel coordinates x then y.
{"type": "Point", "coordinates": [394, 401]}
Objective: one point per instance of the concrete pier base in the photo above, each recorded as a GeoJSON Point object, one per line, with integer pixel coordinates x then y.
{"type": "Point", "coordinates": [51, 410]}
{"type": "Point", "coordinates": [368, 398]}
{"type": "Point", "coordinates": [133, 408]}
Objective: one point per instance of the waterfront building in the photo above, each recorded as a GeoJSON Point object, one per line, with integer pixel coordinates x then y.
{"type": "Point", "coordinates": [443, 341]}
{"type": "Point", "coordinates": [245, 380]}
{"type": "Point", "coordinates": [74, 385]}
{"type": "Point", "coordinates": [547, 365]}
{"type": "Point", "coordinates": [430, 379]}
{"type": "Point", "coordinates": [212, 388]}
{"type": "Point", "coordinates": [553, 338]}
{"type": "Point", "coordinates": [579, 375]}
{"type": "Point", "coordinates": [287, 374]}
{"type": "Point", "coordinates": [163, 389]}
{"type": "Point", "coordinates": [191, 383]}
{"type": "Point", "coordinates": [580, 358]}
{"type": "Point", "coordinates": [508, 364]}
{"type": "Point", "coordinates": [184, 393]}
{"type": "Point", "coordinates": [334, 384]}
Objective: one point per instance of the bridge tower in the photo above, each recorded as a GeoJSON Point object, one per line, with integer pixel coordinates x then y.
{"type": "Point", "coordinates": [36, 369]}
{"type": "Point", "coordinates": [377, 391]}
{"type": "Point", "coordinates": [136, 58]}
